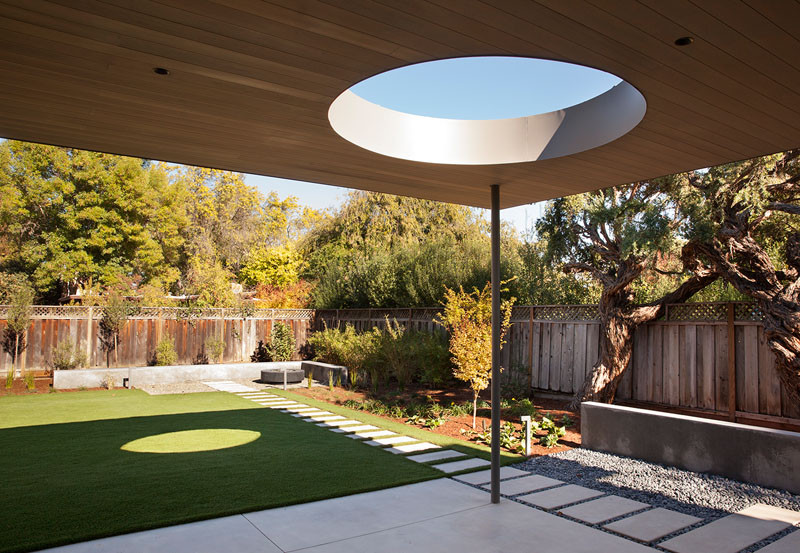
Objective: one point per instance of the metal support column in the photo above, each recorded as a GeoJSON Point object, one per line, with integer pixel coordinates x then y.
{"type": "Point", "coordinates": [495, 343]}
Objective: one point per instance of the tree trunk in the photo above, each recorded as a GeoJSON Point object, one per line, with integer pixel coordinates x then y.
{"type": "Point", "coordinates": [474, 408]}
{"type": "Point", "coordinates": [616, 348]}
{"type": "Point", "coordinates": [15, 364]}
{"type": "Point", "coordinates": [782, 331]}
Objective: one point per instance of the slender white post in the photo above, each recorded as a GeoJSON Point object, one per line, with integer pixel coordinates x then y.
{"type": "Point", "coordinates": [526, 420]}
{"type": "Point", "coordinates": [495, 471]}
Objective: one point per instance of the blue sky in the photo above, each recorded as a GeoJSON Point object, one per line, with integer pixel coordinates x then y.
{"type": "Point", "coordinates": [464, 88]}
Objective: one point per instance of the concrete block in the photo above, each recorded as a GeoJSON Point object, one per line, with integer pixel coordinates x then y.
{"type": "Point", "coordinates": [322, 372]}
{"type": "Point", "coordinates": [559, 497]}
{"type": "Point", "coordinates": [527, 484]}
{"type": "Point", "coordinates": [762, 456]}
{"type": "Point", "coordinates": [653, 524]}
{"type": "Point", "coordinates": [603, 509]}
{"type": "Point", "coordinates": [484, 476]}
{"type": "Point", "coordinates": [455, 466]}
{"type": "Point", "coordinates": [436, 456]}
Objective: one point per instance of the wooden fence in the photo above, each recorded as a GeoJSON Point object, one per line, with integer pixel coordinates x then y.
{"type": "Point", "coordinates": [241, 333]}
{"type": "Point", "coordinates": [710, 357]}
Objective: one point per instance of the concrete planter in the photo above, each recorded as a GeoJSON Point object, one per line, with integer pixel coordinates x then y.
{"type": "Point", "coordinates": [142, 376]}
{"type": "Point", "coordinates": [753, 454]}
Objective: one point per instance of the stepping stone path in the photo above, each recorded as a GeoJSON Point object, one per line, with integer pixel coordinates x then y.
{"type": "Point", "coordinates": [653, 524]}
{"type": "Point", "coordinates": [787, 544]}
{"type": "Point", "coordinates": [603, 509]}
{"type": "Point", "coordinates": [485, 476]}
{"type": "Point", "coordinates": [410, 448]}
{"type": "Point", "coordinates": [455, 466]}
{"type": "Point", "coordinates": [437, 456]}
{"type": "Point", "coordinates": [734, 532]}
{"type": "Point", "coordinates": [357, 430]}
{"type": "Point", "coordinates": [560, 497]}
{"type": "Point", "coordinates": [527, 484]}
{"type": "Point", "coordinates": [229, 386]}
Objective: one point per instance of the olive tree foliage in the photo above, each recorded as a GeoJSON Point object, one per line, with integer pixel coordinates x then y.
{"type": "Point", "coordinates": [116, 311]}
{"type": "Point", "coordinates": [615, 236]}
{"type": "Point", "coordinates": [744, 225]}
{"type": "Point", "coordinates": [468, 318]}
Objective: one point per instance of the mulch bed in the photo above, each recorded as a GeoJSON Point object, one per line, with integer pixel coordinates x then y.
{"type": "Point", "coordinates": [554, 408]}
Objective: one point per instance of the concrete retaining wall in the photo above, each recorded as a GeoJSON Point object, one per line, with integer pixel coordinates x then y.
{"type": "Point", "coordinates": [321, 372]}
{"type": "Point", "coordinates": [141, 376]}
{"type": "Point", "coordinates": [751, 454]}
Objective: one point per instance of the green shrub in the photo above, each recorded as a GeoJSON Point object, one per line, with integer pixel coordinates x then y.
{"type": "Point", "coordinates": [165, 352]}
{"type": "Point", "coordinates": [261, 353]}
{"type": "Point", "coordinates": [281, 342]}
{"type": "Point", "coordinates": [523, 407]}
{"type": "Point", "coordinates": [66, 357]}
{"type": "Point", "coordinates": [9, 377]}
{"type": "Point", "coordinates": [346, 347]}
{"type": "Point", "coordinates": [30, 380]}
{"type": "Point", "coordinates": [215, 347]}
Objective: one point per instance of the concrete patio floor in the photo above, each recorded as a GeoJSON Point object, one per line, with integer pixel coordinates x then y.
{"type": "Point", "coordinates": [438, 515]}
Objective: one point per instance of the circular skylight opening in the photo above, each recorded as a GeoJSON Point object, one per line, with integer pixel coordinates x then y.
{"type": "Point", "coordinates": [486, 110]}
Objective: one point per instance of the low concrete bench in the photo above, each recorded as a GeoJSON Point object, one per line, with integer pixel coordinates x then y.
{"type": "Point", "coordinates": [325, 372]}
{"type": "Point", "coordinates": [762, 456]}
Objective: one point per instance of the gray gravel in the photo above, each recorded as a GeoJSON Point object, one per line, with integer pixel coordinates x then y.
{"type": "Point", "coordinates": [696, 494]}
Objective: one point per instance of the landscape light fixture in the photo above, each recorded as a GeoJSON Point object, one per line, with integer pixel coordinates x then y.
{"type": "Point", "coordinates": [684, 41]}
{"type": "Point", "coordinates": [160, 71]}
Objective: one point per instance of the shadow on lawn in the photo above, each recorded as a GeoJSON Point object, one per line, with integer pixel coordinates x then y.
{"type": "Point", "coordinates": [71, 482]}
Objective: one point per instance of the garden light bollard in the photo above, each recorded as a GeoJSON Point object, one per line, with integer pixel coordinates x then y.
{"type": "Point", "coordinates": [526, 420]}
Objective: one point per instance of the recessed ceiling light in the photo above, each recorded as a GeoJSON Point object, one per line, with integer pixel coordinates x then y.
{"type": "Point", "coordinates": [684, 41]}
{"type": "Point", "coordinates": [160, 71]}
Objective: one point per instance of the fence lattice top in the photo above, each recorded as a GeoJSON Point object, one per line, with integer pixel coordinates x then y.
{"type": "Point", "coordinates": [154, 313]}
{"type": "Point", "coordinates": [743, 311]}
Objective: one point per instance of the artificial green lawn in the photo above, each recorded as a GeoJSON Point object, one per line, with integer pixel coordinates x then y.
{"type": "Point", "coordinates": [470, 448]}
{"type": "Point", "coordinates": [65, 478]}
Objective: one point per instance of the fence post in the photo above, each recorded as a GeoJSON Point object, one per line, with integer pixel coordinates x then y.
{"type": "Point", "coordinates": [731, 363]}
{"type": "Point", "coordinates": [530, 351]}
{"type": "Point", "coordinates": [89, 317]}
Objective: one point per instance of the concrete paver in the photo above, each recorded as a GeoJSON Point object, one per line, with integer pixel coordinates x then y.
{"type": "Point", "coordinates": [371, 434]}
{"type": "Point", "coordinates": [346, 422]}
{"type": "Point", "coordinates": [528, 484]}
{"type": "Point", "coordinates": [455, 466]}
{"type": "Point", "coordinates": [392, 440]}
{"type": "Point", "coordinates": [323, 418]}
{"type": "Point", "coordinates": [559, 497]}
{"type": "Point", "coordinates": [305, 414]}
{"type": "Point", "coordinates": [410, 448]}
{"type": "Point", "coordinates": [351, 429]}
{"type": "Point", "coordinates": [484, 476]}
{"type": "Point", "coordinates": [437, 456]}
{"type": "Point", "coordinates": [653, 524]}
{"type": "Point", "coordinates": [603, 509]}
{"type": "Point", "coordinates": [229, 386]}
{"type": "Point", "coordinates": [787, 544]}
{"type": "Point", "coordinates": [734, 532]}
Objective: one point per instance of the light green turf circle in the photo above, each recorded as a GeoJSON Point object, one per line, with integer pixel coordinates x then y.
{"type": "Point", "coordinates": [189, 441]}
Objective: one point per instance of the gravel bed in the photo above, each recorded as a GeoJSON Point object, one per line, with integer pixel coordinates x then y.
{"type": "Point", "coordinates": [692, 493]}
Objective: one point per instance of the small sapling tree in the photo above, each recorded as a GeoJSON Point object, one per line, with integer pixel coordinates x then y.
{"type": "Point", "coordinates": [468, 318]}
{"type": "Point", "coordinates": [115, 314]}
{"type": "Point", "coordinates": [17, 322]}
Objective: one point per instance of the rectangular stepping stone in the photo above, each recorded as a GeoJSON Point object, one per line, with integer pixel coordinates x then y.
{"type": "Point", "coordinates": [653, 524]}
{"type": "Point", "coordinates": [455, 466]}
{"type": "Point", "coordinates": [559, 497]}
{"type": "Point", "coordinates": [350, 429]}
{"type": "Point", "coordinates": [281, 405]}
{"type": "Point", "coordinates": [436, 456]}
{"type": "Point", "coordinates": [304, 409]}
{"type": "Point", "coordinates": [347, 422]}
{"type": "Point", "coordinates": [268, 403]}
{"type": "Point", "coordinates": [322, 418]}
{"type": "Point", "coordinates": [603, 509]}
{"type": "Point", "coordinates": [787, 544]}
{"type": "Point", "coordinates": [229, 386]}
{"type": "Point", "coordinates": [734, 532]}
{"type": "Point", "coordinates": [527, 484]}
{"type": "Point", "coordinates": [390, 441]}
{"type": "Point", "coordinates": [484, 476]}
{"type": "Point", "coordinates": [409, 448]}
{"type": "Point", "coordinates": [309, 414]}
{"type": "Point", "coordinates": [372, 434]}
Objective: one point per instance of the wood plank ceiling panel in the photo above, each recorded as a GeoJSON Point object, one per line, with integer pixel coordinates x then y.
{"type": "Point", "coordinates": [250, 82]}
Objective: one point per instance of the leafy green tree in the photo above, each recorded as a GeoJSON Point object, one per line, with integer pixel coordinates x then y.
{"type": "Point", "coordinates": [468, 318]}
{"type": "Point", "coordinates": [68, 216]}
{"type": "Point", "coordinates": [116, 311]}
{"type": "Point", "coordinates": [277, 266]}
{"type": "Point", "coordinates": [616, 236]}
{"type": "Point", "coordinates": [542, 283]}
{"type": "Point", "coordinates": [745, 226]}
{"type": "Point", "coordinates": [281, 342]}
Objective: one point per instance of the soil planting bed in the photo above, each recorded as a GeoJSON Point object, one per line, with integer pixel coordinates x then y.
{"type": "Point", "coordinates": [554, 408]}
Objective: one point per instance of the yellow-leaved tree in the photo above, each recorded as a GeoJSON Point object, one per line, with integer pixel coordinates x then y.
{"type": "Point", "coordinates": [468, 318]}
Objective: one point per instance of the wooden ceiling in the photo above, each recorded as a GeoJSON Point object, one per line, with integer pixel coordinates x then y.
{"type": "Point", "coordinates": [250, 82]}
